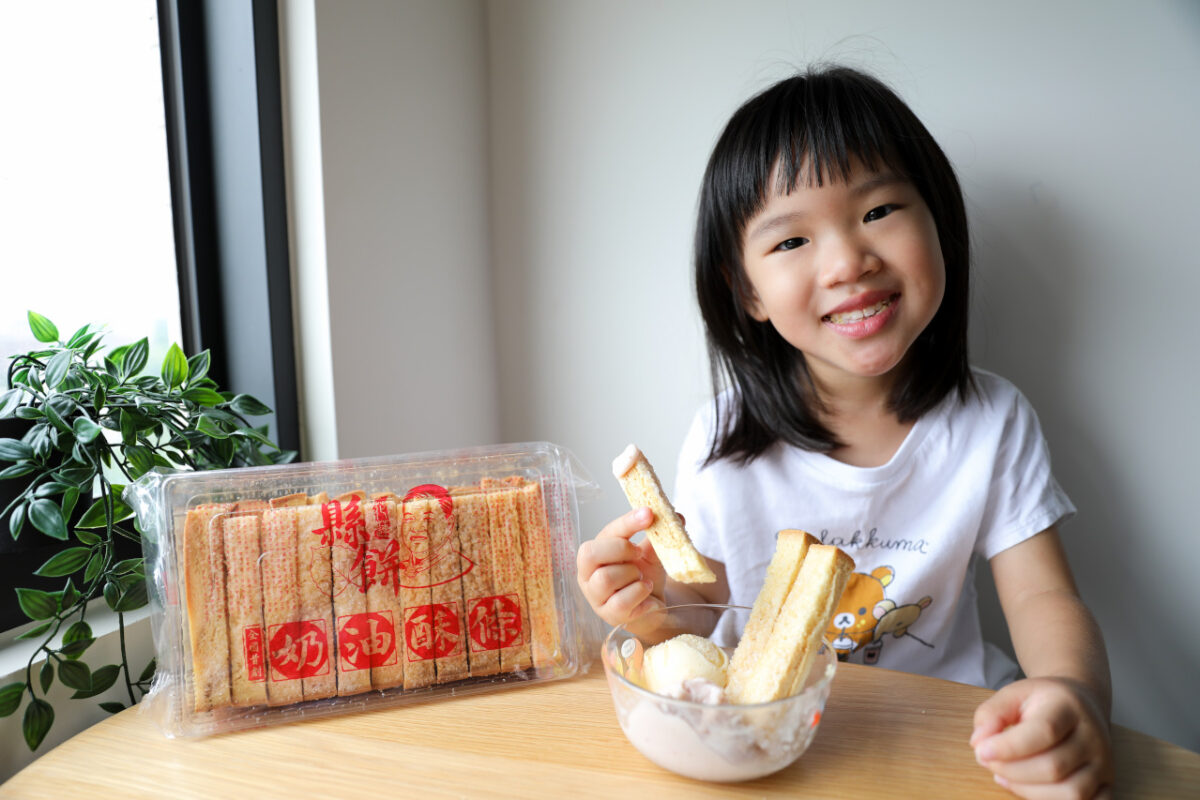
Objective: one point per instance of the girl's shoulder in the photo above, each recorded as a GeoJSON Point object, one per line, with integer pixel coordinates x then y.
{"type": "Point", "coordinates": [994, 392]}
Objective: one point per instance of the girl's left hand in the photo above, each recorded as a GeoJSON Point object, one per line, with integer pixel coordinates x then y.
{"type": "Point", "coordinates": [1045, 738]}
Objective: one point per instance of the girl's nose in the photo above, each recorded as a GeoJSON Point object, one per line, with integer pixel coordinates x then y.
{"type": "Point", "coordinates": [845, 259]}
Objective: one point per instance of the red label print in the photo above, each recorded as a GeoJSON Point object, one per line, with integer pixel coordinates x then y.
{"type": "Point", "coordinates": [253, 641]}
{"type": "Point", "coordinates": [495, 622]}
{"type": "Point", "coordinates": [344, 523]}
{"type": "Point", "coordinates": [299, 650]}
{"type": "Point", "coordinates": [367, 640]}
{"type": "Point", "coordinates": [431, 631]}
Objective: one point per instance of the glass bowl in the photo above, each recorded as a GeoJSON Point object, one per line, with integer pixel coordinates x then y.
{"type": "Point", "coordinates": [724, 742]}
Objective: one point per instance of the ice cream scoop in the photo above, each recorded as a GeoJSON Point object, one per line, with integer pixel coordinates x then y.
{"type": "Point", "coordinates": [667, 665]}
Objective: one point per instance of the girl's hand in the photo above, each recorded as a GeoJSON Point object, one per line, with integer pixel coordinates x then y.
{"type": "Point", "coordinates": [1045, 738]}
{"type": "Point", "coordinates": [620, 579]}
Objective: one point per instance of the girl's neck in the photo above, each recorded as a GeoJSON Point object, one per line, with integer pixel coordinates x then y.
{"type": "Point", "coordinates": [858, 414]}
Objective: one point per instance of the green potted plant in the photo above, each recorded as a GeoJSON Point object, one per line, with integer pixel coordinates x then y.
{"type": "Point", "coordinates": [92, 423]}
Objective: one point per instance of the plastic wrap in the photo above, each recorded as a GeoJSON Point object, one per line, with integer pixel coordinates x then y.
{"type": "Point", "coordinates": [287, 592]}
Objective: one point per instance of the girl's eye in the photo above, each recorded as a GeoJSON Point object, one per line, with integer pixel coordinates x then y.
{"type": "Point", "coordinates": [791, 244]}
{"type": "Point", "coordinates": [879, 212]}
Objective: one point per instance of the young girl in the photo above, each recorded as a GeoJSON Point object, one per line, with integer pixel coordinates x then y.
{"type": "Point", "coordinates": [832, 273]}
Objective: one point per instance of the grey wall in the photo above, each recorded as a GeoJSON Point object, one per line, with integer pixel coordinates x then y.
{"type": "Point", "coordinates": [1071, 126]}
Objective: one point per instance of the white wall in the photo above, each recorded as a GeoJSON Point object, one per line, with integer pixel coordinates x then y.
{"type": "Point", "coordinates": [403, 127]}
{"type": "Point", "coordinates": [1070, 124]}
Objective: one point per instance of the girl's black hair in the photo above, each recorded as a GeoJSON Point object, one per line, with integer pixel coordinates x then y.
{"type": "Point", "coordinates": [829, 116]}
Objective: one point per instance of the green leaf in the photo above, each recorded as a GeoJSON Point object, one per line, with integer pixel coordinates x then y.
{"type": "Point", "coordinates": [64, 562]}
{"type": "Point", "coordinates": [80, 337]}
{"type": "Point", "coordinates": [248, 405]}
{"type": "Point", "coordinates": [75, 649]}
{"type": "Point", "coordinates": [39, 716]}
{"type": "Point", "coordinates": [10, 698]}
{"type": "Point", "coordinates": [85, 430]}
{"type": "Point", "coordinates": [43, 329]}
{"type": "Point", "coordinates": [174, 367]}
{"type": "Point", "coordinates": [93, 567]}
{"type": "Point", "coordinates": [135, 358]}
{"type": "Point", "coordinates": [94, 517]}
{"type": "Point", "coordinates": [148, 672]}
{"type": "Point", "coordinates": [99, 398]}
{"type": "Point", "coordinates": [36, 630]}
{"type": "Point", "coordinates": [128, 427]}
{"type": "Point", "coordinates": [50, 488]}
{"type": "Point", "coordinates": [16, 520]}
{"type": "Point", "coordinates": [75, 675]}
{"type": "Point", "coordinates": [112, 594]}
{"type": "Point", "coordinates": [58, 367]}
{"type": "Point", "coordinates": [210, 427]}
{"type": "Point", "coordinates": [78, 632]}
{"type": "Point", "coordinates": [70, 498]}
{"type": "Point", "coordinates": [70, 595]}
{"type": "Point", "coordinates": [132, 598]}
{"type": "Point", "coordinates": [113, 708]}
{"type": "Point", "coordinates": [141, 459]}
{"type": "Point", "coordinates": [102, 680]}
{"type": "Point", "coordinates": [79, 476]}
{"type": "Point", "coordinates": [47, 517]}
{"type": "Point", "coordinates": [15, 450]}
{"type": "Point", "coordinates": [198, 365]}
{"type": "Point", "coordinates": [46, 676]}
{"type": "Point", "coordinates": [9, 402]}
{"type": "Point", "coordinates": [87, 537]}
{"type": "Point", "coordinates": [129, 565]}
{"type": "Point", "coordinates": [202, 396]}
{"type": "Point", "coordinates": [37, 604]}
{"type": "Point", "coordinates": [17, 470]}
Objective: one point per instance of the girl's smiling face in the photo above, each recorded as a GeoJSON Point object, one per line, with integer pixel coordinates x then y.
{"type": "Point", "coordinates": [850, 272]}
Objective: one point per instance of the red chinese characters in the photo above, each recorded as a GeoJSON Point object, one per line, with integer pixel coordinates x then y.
{"type": "Point", "coordinates": [366, 640]}
{"type": "Point", "coordinates": [495, 622]}
{"type": "Point", "coordinates": [432, 631]}
{"type": "Point", "coordinates": [299, 650]}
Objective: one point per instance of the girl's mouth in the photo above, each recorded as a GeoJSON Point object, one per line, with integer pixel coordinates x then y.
{"type": "Point", "coordinates": [847, 317]}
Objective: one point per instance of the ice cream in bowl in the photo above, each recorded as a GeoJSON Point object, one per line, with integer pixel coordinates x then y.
{"type": "Point", "coordinates": [671, 690]}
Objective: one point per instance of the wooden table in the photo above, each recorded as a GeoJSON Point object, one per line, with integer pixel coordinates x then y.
{"type": "Point", "coordinates": [884, 734]}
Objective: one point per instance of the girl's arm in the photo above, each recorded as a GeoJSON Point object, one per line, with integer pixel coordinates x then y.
{"type": "Point", "coordinates": [1053, 727]}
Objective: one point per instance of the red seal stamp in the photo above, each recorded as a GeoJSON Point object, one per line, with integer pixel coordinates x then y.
{"type": "Point", "coordinates": [253, 640]}
{"type": "Point", "coordinates": [299, 650]}
{"type": "Point", "coordinates": [366, 640]}
{"type": "Point", "coordinates": [495, 622]}
{"type": "Point", "coordinates": [432, 631]}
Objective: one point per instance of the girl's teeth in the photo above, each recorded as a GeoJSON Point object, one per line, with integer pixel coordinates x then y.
{"type": "Point", "coordinates": [859, 313]}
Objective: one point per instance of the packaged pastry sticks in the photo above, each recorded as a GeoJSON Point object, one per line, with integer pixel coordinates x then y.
{"type": "Point", "coordinates": [287, 592]}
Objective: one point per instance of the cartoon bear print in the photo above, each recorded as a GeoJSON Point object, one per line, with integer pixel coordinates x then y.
{"type": "Point", "coordinates": [865, 615]}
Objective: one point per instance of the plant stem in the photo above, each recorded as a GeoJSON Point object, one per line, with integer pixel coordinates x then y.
{"type": "Point", "coordinates": [125, 658]}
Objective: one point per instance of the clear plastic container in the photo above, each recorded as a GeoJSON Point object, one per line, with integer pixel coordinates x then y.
{"type": "Point", "coordinates": [709, 742]}
{"type": "Point", "coordinates": [287, 592]}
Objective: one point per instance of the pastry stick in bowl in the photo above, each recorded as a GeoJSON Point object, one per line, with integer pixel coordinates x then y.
{"type": "Point", "coordinates": [667, 535]}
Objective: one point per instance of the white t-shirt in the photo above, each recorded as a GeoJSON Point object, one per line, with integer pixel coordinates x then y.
{"type": "Point", "coordinates": [970, 479]}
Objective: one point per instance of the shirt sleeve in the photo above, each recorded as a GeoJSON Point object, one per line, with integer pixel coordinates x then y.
{"type": "Point", "coordinates": [1024, 498]}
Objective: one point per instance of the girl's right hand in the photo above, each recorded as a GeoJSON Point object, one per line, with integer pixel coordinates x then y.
{"type": "Point", "coordinates": [621, 579]}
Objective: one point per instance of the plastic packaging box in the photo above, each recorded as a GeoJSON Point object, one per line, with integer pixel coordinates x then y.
{"type": "Point", "coordinates": [287, 592]}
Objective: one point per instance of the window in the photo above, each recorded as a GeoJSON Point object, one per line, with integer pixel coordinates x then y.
{"type": "Point", "coordinates": [86, 225]}
{"type": "Point", "coordinates": [142, 188]}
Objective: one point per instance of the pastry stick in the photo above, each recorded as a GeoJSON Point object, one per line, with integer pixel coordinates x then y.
{"type": "Point", "coordinates": [446, 594]}
{"type": "Point", "coordinates": [383, 592]}
{"type": "Point", "coordinates": [204, 592]}
{"type": "Point", "coordinates": [790, 548]}
{"type": "Point", "coordinates": [784, 663]}
{"type": "Point", "coordinates": [539, 575]}
{"type": "Point", "coordinates": [314, 575]}
{"type": "Point", "coordinates": [244, 598]}
{"type": "Point", "coordinates": [471, 519]}
{"type": "Point", "coordinates": [667, 535]}
{"type": "Point", "coordinates": [508, 574]}
{"type": "Point", "coordinates": [281, 604]}
{"type": "Point", "coordinates": [416, 598]}
{"type": "Point", "coordinates": [347, 554]}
